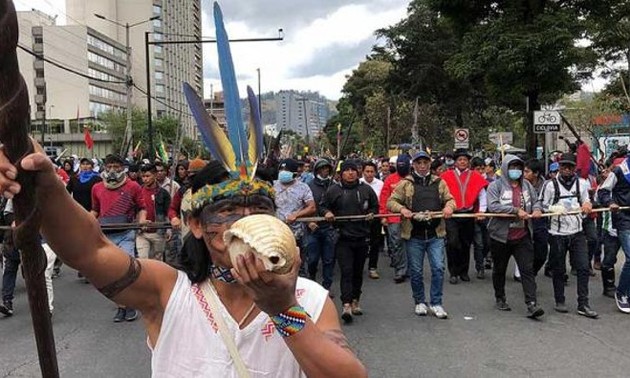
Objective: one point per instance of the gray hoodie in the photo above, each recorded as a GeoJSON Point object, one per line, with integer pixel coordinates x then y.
{"type": "Point", "coordinates": [500, 201]}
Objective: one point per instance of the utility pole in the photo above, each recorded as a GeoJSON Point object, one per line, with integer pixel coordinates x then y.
{"type": "Point", "coordinates": [128, 139]}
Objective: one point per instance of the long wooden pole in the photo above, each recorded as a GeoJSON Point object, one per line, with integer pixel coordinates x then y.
{"type": "Point", "coordinates": [439, 214]}
{"type": "Point", "coordinates": [14, 126]}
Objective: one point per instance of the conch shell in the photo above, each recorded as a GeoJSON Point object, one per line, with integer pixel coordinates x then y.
{"type": "Point", "coordinates": [269, 239]}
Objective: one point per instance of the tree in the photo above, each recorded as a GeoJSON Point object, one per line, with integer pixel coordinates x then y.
{"type": "Point", "coordinates": [520, 50]}
{"type": "Point", "coordinates": [115, 122]}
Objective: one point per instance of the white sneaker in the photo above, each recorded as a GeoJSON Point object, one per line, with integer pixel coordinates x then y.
{"type": "Point", "coordinates": [421, 309]}
{"type": "Point", "coordinates": [439, 312]}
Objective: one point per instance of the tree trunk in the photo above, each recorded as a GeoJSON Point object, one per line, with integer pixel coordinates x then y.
{"type": "Point", "coordinates": [532, 141]}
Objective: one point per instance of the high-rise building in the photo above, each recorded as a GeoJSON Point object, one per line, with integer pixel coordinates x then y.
{"type": "Point", "coordinates": [170, 64]}
{"type": "Point", "coordinates": [62, 102]}
{"type": "Point", "coordinates": [298, 111]}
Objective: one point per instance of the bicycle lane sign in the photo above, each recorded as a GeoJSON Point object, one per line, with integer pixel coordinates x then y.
{"type": "Point", "coordinates": [546, 121]}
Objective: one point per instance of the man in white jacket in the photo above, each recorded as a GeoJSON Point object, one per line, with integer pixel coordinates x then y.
{"type": "Point", "coordinates": [565, 193]}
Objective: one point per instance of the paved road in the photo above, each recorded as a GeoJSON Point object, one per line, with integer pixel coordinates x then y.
{"type": "Point", "coordinates": [476, 340]}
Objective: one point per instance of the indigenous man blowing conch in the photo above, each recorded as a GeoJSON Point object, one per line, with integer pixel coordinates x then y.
{"type": "Point", "coordinates": [219, 316]}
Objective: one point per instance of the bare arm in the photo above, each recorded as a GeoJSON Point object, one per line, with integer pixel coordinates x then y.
{"type": "Point", "coordinates": [86, 248]}
{"type": "Point", "coordinates": [321, 348]}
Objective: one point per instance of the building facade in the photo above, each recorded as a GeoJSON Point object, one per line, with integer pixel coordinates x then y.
{"type": "Point", "coordinates": [63, 103]}
{"type": "Point", "coordinates": [304, 113]}
{"type": "Point", "coordinates": [169, 64]}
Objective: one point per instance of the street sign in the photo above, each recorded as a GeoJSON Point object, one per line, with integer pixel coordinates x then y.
{"type": "Point", "coordinates": [462, 138]}
{"type": "Point", "coordinates": [500, 138]}
{"type": "Point", "coordinates": [546, 121]}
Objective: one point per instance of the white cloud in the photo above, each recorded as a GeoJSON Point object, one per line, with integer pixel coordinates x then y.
{"type": "Point", "coordinates": [345, 28]}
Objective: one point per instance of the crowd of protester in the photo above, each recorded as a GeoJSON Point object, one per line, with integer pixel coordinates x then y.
{"type": "Point", "coordinates": [442, 206]}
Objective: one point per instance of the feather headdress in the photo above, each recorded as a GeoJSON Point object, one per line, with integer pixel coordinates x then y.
{"type": "Point", "coordinates": [239, 149]}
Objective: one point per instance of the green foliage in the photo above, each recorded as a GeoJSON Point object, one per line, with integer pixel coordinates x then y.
{"type": "Point", "coordinates": [115, 122]}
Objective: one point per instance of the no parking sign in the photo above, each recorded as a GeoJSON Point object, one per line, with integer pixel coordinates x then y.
{"type": "Point", "coordinates": [462, 138]}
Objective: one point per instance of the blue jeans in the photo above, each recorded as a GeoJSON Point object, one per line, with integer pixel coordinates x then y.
{"type": "Point", "coordinates": [624, 278]}
{"type": "Point", "coordinates": [434, 248]}
{"type": "Point", "coordinates": [125, 240]}
{"type": "Point", "coordinates": [320, 244]}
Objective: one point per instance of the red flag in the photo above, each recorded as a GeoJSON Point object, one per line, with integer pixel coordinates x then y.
{"type": "Point", "coordinates": [89, 143]}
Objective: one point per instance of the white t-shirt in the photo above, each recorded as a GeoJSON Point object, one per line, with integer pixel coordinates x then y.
{"type": "Point", "coordinates": [376, 185]}
{"type": "Point", "coordinates": [190, 344]}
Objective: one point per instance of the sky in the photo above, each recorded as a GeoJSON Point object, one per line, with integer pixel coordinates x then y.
{"type": "Point", "coordinates": [324, 40]}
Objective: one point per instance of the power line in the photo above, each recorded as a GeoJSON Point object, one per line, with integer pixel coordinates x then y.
{"type": "Point", "coordinates": [158, 100]}
{"type": "Point", "coordinates": [59, 65]}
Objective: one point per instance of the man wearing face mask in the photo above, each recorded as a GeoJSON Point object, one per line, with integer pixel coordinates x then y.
{"type": "Point", "coordinates": [320, 236]}
{"type": "Point", "coordinates": [512, 194]}
{"type": "Point", "coordinates": [294, 199]}
{"type": "Point", "coordinates": [468, 188]}
{"type": "Point", "coordinates": [118, 199]}
{"type": "Point", "coordinates": [567, 193]}
{"type": "Point", "coordinates": [395, 245]}
{"type": "Point", "coordinates": [350, 197]}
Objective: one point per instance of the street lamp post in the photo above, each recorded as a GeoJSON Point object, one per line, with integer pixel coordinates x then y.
{"type": "Point", "coordinates": [128, 138]}
{"type": "Point", "coordinates": [49, 124]}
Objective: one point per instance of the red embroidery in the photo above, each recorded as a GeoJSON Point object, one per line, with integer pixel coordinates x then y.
{"type": "Point", "coordinates": [205, 307]}
{"type": "Point", "coordinates": [268, 330]}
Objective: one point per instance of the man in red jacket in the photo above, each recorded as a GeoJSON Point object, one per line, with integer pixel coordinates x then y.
{"type": "Point", "coordinates": [468, 188]}
{"type": "Point", "coordinates": [395, 245]}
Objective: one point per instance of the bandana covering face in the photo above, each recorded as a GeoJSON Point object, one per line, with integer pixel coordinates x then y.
{"type": "Point", "coordinates": [113, 179]}
{"type": "Point", "coordinates": [222, 274]}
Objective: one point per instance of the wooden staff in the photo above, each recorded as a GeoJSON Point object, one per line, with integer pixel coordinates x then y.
{"type": "Point", "coordinates": [14, 126]}
{"type": "Point", "coordinates": [439, 214]}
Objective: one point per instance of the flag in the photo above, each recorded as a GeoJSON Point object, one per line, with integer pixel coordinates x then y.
{"type": "Point", "coordinates": [89, 143]}
{"type": "Point", "coordinates": [136, 150]}
{"type": "Point", "coordinates": [162, 152]}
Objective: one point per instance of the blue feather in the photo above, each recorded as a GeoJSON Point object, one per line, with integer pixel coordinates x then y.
{"type": "Point", "coordinates": [235, 126]}
{"type": "Point", "coordinates": [212, 134]}
{"type": "Point", "coordinates": [255, 129]}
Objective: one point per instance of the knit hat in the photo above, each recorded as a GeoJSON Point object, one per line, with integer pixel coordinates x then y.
{"type": "Point", "coordinates": [321, 163]}
{"type": "Point", "coordinates": [196, 165]}
{"type": "Point", "coordinates": [403, 164]}
{"type": "Point", "coordinates": [349, 164]}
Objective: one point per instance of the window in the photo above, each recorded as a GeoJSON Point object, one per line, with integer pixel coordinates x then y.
{"type": "Point", "coordinates": [158, 62]}
{"type": "Point", "coordinates": [159, 88]}
{"type": "Point", "coordinates": [39, 40]}
{"type": "Point", "coordinates": [157, 36]}
{"type": "Point", "coordinates": [39, 73]}
{"type": "Point", "coordinates": [157, 23]}
{"type": "Point", "coordinates": [159, 75]}
{"type": "Point", "coordinates": [40, 90]}
{"type": "Point", "coordinates": [97, 107]}
{"type": "Point", "coordinates": [158, 49]}
{"type": "Point", "coordinates": [157, 9]}
{"type": "Point", "coordinates": [107, 93]}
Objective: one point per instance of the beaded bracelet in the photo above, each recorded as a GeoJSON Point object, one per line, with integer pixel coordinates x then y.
{"type": "Point", "coordinates": [290, 321]}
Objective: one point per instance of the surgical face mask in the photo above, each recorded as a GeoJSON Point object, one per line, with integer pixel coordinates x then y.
{"type": "Point", "coordinates": [449, 161]}
{"type": "Point", "coordinates": [515, 174]}
{"type": "Point", "coordinates": [285, 177]}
